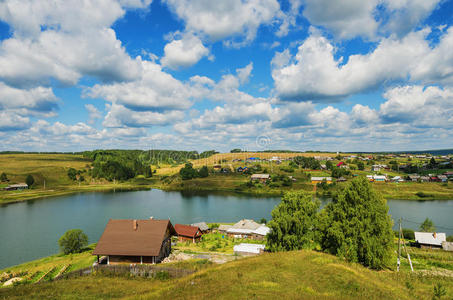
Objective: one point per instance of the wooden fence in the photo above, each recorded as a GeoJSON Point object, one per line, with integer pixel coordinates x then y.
{"type": "Point", "coordinates": [150, 271]}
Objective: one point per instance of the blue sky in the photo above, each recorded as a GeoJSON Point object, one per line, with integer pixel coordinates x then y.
{"type": "Point", "coordinates": [347, 75]}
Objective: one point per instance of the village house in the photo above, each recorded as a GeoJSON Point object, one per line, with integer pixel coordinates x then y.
{"type": "Point", "coordinates": [320, 179]}
{"type": "Point", "coordinates": [248, 229]}
{"type": "Point", "coordinates": [341, 179]}
{"type": "Point", "coordinates": [188, 233]}
{"type": "Point", "coordinates": [424, 179]}
{"type": "Point", "coordinates": [135, 241]}
{"type": "Point", "coordinates": [204, 228]}
{"type": "Point", "coordinates": [430, 239]}
{"type": "Point", "coordinates": [16, 187]}
{"type": "Point", "coordinates": [263, 178]}
{"type": "Point", "coordinates": [414, 178]}
{"type": "Point", "coordinates": [442, 178]}
{"type": "Point", "coordinates": [377, 168]}
{"type": "Point", "coordinates": [223, 228]}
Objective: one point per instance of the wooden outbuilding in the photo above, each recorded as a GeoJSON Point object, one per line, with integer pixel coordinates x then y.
{"type": "Point", "coordinates": [188, 233]}
{"type": "Point", "coordinates": [135, 241]}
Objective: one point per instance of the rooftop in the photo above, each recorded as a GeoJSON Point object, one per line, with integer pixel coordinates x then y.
{"type": "Point", "coordinates": [133, 237]}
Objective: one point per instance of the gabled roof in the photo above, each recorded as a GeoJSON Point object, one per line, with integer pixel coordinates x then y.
{"type": "Point", "coordinates": [121, 237]}
{"type": "Point", "coordinates": [260, 176]}
{"type": "Point", "coordinates": [430, 238]}
{"type": "Point", "coordinates": [249, 248]}
{"type": "Point", "coordinates": [202, 225]}
{"type": "Point", "coordinates": [246, 224]}
{"type": "Point", "coordinates": [187, 230]}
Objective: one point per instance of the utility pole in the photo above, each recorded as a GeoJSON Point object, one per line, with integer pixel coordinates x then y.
{"type": "Point", "coordinates": [399, 247]}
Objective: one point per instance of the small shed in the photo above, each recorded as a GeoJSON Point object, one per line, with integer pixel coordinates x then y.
{"type": "Point", "coordinates": [430, 239]}
{"type": "Point", "coordinates": [248, 249]}
{"type": "Point", "coordinates": [188, 233]}
{"type": "Point", "coordinates": [17, 187]}
{"type": "Point", "coordinates": [260, 177]}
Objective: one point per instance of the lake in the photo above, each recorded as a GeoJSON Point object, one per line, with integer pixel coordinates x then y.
{"type": "Point", "coordinates": [31, 229]}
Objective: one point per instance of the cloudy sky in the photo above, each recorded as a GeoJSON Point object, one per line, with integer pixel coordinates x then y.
{"type": "Point", "coordinates": [348, 75]}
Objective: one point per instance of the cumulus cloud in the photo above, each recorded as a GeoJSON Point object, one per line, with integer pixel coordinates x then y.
{"type": "Point", "coordinates": [39, 100]}
{"type": "Point", "coordinates": [346, 19]}
{"type": "Point", "coordinates": [368, 19]}
{"type": "Point", "coordinates": [93, 113]}
{"type": "Point", "coordinates": [184, 52]}
{"type": "Point", "coordinates": [224, 19]}
{"type": "Point", "coordinates": [64, 40]}
{"type": "Point", "coordinates": [121, 117]}
{"type": "Point", "coordinates": [314, 73]}
{"type": "Point", "coordinates": [419, 106]}
{"type": "Point", "coordinates": [155, 90]}
{"type": "Point", "coordinates": [9, 121]}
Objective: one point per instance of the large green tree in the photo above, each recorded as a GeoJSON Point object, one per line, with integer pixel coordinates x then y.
{"type": "Point", "coordinates": [294, 223]}
{"type": "Point", "coordinates": [73, 241]}
{"type": "Point", "coordinates": [356, 226]}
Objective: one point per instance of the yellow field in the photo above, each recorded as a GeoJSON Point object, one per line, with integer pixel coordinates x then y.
{"type": "Point", "coordinates": [214, 159]}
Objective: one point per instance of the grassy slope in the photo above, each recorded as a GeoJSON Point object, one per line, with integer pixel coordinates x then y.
{"type": "Point", "coordinates": [58, 261]}
{"type": "Point", "coordinates": [53, 169]}
{"type": "Point", "coordinates": [293, 275]}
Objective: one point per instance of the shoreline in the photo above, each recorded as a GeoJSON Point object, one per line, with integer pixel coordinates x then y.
{"type": "Point", "coordinates": [42, 194]}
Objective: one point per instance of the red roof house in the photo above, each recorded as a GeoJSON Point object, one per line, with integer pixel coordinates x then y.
{"type": "Point", "coordinates": [340, 164]}
{"type": "Point", "coordinates": [188, 233]}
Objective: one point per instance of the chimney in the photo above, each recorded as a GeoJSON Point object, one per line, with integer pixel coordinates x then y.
{"type": "Point", "coordinates": [135, 224]}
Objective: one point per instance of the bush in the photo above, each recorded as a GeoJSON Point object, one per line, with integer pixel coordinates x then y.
{"type": "Point", "coordinates": [450, 238]}
{"type": "Point", "coordinates": [73, 241]}
{"type": "Point", "coordinates": [3, 177]}
{"type": "Point", "coordinates": [356, 226]}
{"type": "Point", "coordinates": [162, 275]}
{"type": "Point", "coordinates": [29, 180]}
{"type": "Point", "coordinates": [203, 172]}
{"type": "Point", "coordinates": [408, 234]}
{"type": "Point", "coordinates": [72, 174]}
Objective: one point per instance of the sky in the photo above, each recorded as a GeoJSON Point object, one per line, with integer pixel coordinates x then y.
{"type": "Point", "coordinates": [324, 75]}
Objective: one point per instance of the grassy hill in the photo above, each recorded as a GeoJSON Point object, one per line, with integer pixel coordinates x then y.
{"type": "Point", "coordinates": [289, 275]}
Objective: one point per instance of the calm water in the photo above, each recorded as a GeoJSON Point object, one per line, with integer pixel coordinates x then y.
{"type": "Point", "coordinates": [30, 230]}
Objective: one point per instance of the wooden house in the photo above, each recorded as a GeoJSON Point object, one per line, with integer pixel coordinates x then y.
{"type": "Point", "coordinates": [135, 241]}
{"type": "Point", "coordinates": [263, 178]}
{"type": "Point", "coordinates": [188, 233]}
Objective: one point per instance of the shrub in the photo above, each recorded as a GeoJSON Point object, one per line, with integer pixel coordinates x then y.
{"type": "Point", "coordinates": [3, 177]}
{"type": "Point", "coordinates": [29, 180]}
{"type": "Point", "coordinates": [162, 275]}
{"type": "Point", "coordinates": [73, 241]}
{"type": "Point", "coordinates": [408, 234]}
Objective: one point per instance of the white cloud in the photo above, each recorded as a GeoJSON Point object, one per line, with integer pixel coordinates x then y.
{"type": "Point", "coordinates": [405, 15]}
{"type": "Point", "coordinates": [93, 113]}
{"type": "Point", "coordinates": [121, 117]}
{"type": "Point", "coordinates": [9, 121]}
{"type": "Point", "coordinates": [421, 107]}
{"type": "Point", "coordinates": [154, 90]}
{"type": "Point", "coordinates": [223, 19]}
{"type": "Point", "coordinates": [64, 40]}
{"type": "Point", "coordinates": [184, 52]}
{"type": "Point", "coordinates": [346, 19]}
{"type": "Point", "coordinates": [243, 74]}
{"type": "Point", "coordinates": [314, 73]}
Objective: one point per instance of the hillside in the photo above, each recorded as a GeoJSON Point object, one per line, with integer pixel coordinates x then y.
{"type": "Point", "coordinates": [290, 275]}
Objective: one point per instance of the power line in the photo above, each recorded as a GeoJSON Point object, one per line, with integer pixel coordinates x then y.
{"type": "Point", "coordinates": [438, 226]}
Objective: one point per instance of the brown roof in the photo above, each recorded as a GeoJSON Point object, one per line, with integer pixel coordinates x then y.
{"type": "Point", "coordinates": [120, 237]}
{"type": "Point", "coordinates": [187, 230]}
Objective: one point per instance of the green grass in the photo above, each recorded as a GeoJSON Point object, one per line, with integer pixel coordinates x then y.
{"type": "Point", "coordinates": [213, 242]}
{"type": "Point", "coordinates": [55, 262]}
{"type": "Point", "coordinates": [286, 275]}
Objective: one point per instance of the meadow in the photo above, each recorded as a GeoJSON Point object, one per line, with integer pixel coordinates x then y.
{"type": "Point", "coordinates": [287, 275]}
